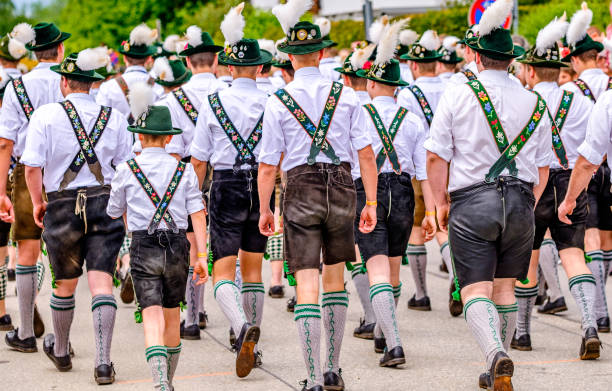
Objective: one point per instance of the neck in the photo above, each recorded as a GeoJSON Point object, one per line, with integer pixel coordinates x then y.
{"type": "Point", "coordinates": [204, 69]}
{"type": "Point", "coordinates": [580, 67]}
{"type": "Point", "coordinates": [153, 144]}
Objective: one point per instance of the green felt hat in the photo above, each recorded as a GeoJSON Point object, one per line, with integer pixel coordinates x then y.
{"type": "Point", "coordinates": [448, 57]}
{"type": "Point", "coordinates": [159, 50]}
{"type": "Point", "coordinates": [199, 42]}
{"type": "Point", "coordinates": [69, 69]}
{"type": "Point", "coordinates": [470, 34]}
{"type": "Point", "coordinates": [388, 73]}
{"type": "Point", "coordinates": [245, 52]}
{"type": "Point", "coordinates": [47, 36]}
{"type": "Point", "coordinates": [497, 45]}
{"type": "Point", "coordinates": [155, 121]}
{"type": "Point", "coordinates": [106, 71]}
{"type": "Point", "coordinates": [347, 67]}
{"type": "Point", "coordinates": [180, 74]}
{"type": "Point", "coordinates": [12, 49]}
{"type": "Point", "coordinates": [141, 42]}
{"type": "Point", "coordinates": [425, 50]}
{"type": "Point", "coordinates": [284, 64]}
{"type": "Point", "coordinates": [585, 44]}
{"type": "Point", "coordinates": [304, 38]}
{"type": "Point", "coordinates": [549, 58]}
{"type": "Point", "coordinates": [136, 51]}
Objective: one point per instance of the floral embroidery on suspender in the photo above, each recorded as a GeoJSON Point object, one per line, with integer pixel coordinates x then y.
{"type": "Point", "coordinates": [387, 138]}
{"type": "Point", "coordinates": [425, 107]}
{"type": "Point", "coordinates": [585, 89]}
{"type": "Point", "coordinates": [22, 96]}
{"type": "Point", "coordinates": [557, 126]}
{"type": "Point", "coordinates": [94, 136]}
{"type": "Point", "coordinates": [186, 104]}
{"type": "Point", "coordinates": [469, 74]}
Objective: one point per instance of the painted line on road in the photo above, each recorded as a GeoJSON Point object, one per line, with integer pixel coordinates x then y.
{"type": "Point", "coordinates": [211, 374]}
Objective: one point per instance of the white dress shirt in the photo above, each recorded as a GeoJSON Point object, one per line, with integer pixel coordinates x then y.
{"type": "Point", "coordinates": [112, 95]}
{"type": "Point", "coordinates": [406, 73]}
{"type": "Point", "coordinates": [52, 145]}
{"type": "Point", "coordinates": [445, 76]}
{"type": "Point", "coordinates": [460, 133]}
{"type": "Point", "coordinates": [327, 68]}
{"type": "Point", "coordinates": [572, 133]}
{"type": "Point", "coordinates": [598, 140]}
{"type": "Point", "coordinates": [278, 81]}
{"type": "Point", "coordinates": [282, 133]}
{"type": "Point", "coordinates": [227, 79]}
{"type": "Point", "coordinates": [459, 77]}
{"type": "Point", "coordinates": [197, 90]}
{"type": "Point", "coordinates": [13, 73]}
{"type": "Point", "coordinates": [127, 195]}
{"type": "Point", "coordinates": [265, 84]}
{"type": "Point", "coordinates": [244, 104]}
{"type": "Point", "coordinates": [595, 78]}
{"type": "Point", "coordinates": [42, 86]}
{"type": "Point", "coordinates": [364, 97]}
{"type": "Point", "coordinates": [432, 88]}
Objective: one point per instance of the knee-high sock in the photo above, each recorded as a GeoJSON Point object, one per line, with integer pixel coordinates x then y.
{"type": "Point", "coordinates": [40, 274]}
{"type": "Point", "coordinates": [25, 278]}
{"type": "Point", "coordinates": [201, 290]}
{"type": "Point", "coordinates": [157, 358]}
{"type": "Point", "coordinates": [483, 321]}
{"type": "Point", "coordinates": [253, 294]}
{"type": "Point", "coordinates": [62, 313]}
{"type": "Point", "coordinates": [229, 299]}
{"type": "Point", "coordinates": [607, 257]}
{"type": "Point", "coordinates": [334, 307]}
{"type": "Point", "coordinates": [597, 268]}
{"type": "Point", "coordinates": [238, 279]}
{"type": "Point", "coordinates": [525, 298]}
{"type": "Point", "coordinates": [384, 307]}
{"type": "Point", "coordinates": [549, 259]}
{"type": "Point", "coordinates": [362, 285]}
{"type": "Point", "coordinates": [3, 281]}
{"type": "Point", "coordinates": [104, 308]}
{"type": "Point", "coordinates": [507, 322]}
{"type": "Point", "coordinates": [191, 298]}
{"type": "Point", "coordinates": [583, 289]}
{"type": "Point", "coordinates": [308, 321]}
{"type": "Point", "coordinates": [173, 358]}
{"type": "Point", "coordinates": [417, 257]}
{"type": "Point", "coordinates": [397, 292]}
{"type": "Point", "coordinates": [446, 257]}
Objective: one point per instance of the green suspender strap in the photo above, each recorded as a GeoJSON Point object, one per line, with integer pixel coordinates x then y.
{"type": "Point", "coordinates": [425, 107]}
{"type": "Point", "coordinates": [469, 74]}
{"type": "Point", "coordinates": [557, 125]}
{"type": "Point", "coordinates": [161, 204]}
{"type": "Point", "coordinates": [609, 84]}
{"type": "Point", "coordinates": [246, 148]}
{"type": "Point", "coordinates": [585, 89]}
{"type": "Point", "coordinates": [22, 96]}
{"type": "Point", "coordinates": [87, 142]}
{"type": "Point", "coordinates": [319, 133]}
{"type": "Point", "coordinates": [494, 123]}
{"type": "Point", "coordinates": [186, 104]}
{"type": "Point", "coordinates": [388, 150]}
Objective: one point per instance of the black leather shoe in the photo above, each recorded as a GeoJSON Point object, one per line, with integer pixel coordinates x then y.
{"type": "Point", "coordinates": [454, 307]}
{"type": "Point", "coordinates": [483, 381]}
{"type": "Point", "coordinates": [553, 307]}
{"type": "Point", "coordinates": [603, 325]}
{"type": "Point", "coordinates": [522, 343]}
{"type": "Point", "coordinates": [333, 381]}
{"type": "Point", "coordinates": [127, 289]}
{"type": "Point", "coordinates": [39, 326]}
{"type": "Point", "coordinates": [393, 357]}
{"type": "Point", "coordinates": [191, 333]}
{"type": "Point", "coordinates": [245, 348]}
{"type": "Point", "coordinates": [64, 363]}
{"type": "Point", "coordinates": [589, 349]}
{"type": "Point", "coordinates": [27, 345]}
{"type": "Point", "coordinates": [291, 304]}
{"type": "Point", "coordinates": [104, 374]}
{"type": "Point", "coordinates": [232, 337]}
{"type": "Point", "coordinates": [364, 331]}
{"type": "Point", "coordinates": [258, 356]}
{"type": "Point", "coordinates": [304, 383]}
{"type": "Point", "coordinates": [423, 304]}
{"type": "Point", "coordinates": [540, 299]}
{"type": "Point", "coordinates": [500, 373]}
{"type": "Point", "coordinates": [202, 320]}
{"type": "Point", "coordinates": [10, 273]}
{"type": "Point", "coordinates": [276, 292]}
{"type": "Point", "coordinates": [380, 344]}
{"type": "Point", "coordinates": [6, 324]}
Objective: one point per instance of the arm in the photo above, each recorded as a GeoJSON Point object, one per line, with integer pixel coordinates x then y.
{"type": "Point", "coordinates": [6, 207]}
{"type": "Point", "coordinates": [369, 176]}
{"type": "Point", "coordinates": [437, 170]}
{"type": "Point", "coordinates": [198, 220]}
{"type": "Point", "coordinates": [266, 179]}
{"type": "Point", "coordinates": [539, 188]}
{"type": "Point", "coordinates": [429, 222]}
{"type": "Point", "coordinates": [34, 178]}
{"type": "Point", "coordinates": [200, 168]}
{"type": "Point", "coordinates": [581, 176]}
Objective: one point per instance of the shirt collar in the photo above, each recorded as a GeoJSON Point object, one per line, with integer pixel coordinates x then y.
{"type": "Point", "coordinates": [472, 67]}
{"type": "Point", "coordinates": [45, 65]}
{"type": "Point", "coordinates": [307, 72]}
{"type": "Point", "coordinates": [591, 72]}
{"type": "Point", "coordinates": [135, 68]}
{"type": "Point", "coordinates": [153, 151]}
{"type": "Point", "coordinates": [263, 80]}
{"type": "Point", "coordinates": [428, 79]}
{"type": "Point", "coordinates": [328, 60]}
{"type": "Point", "coordinates": [384, 100]}
{"type": "Point", "coordinates": [244, 82]}
{"type": "Point", "coordinates": [78, 96]}
{"type": "Point", "coordinates": [545, 86]}
{"type": "Point", "coordinates": [365, 93]}
{"type": "Point", "coordinates": [498, 77]}
{"type": "Point", "coordinates": [203, 76]}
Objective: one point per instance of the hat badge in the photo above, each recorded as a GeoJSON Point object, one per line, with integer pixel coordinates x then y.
{"type": "Point", "coordinates": [302, 34]}
{"type": "Point", "coordinates": [70, 67]}
{"type": "Point", "coordinates": [126, 46]}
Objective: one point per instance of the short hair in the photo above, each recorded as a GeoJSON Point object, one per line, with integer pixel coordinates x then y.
{"type": "Point", "coordinates": [521, 41]}
{"type": "Point", "coordinates": [136, 60]}
{"type": "Point", "coordinates": [266, 68]}
{"type": "Point", "coordinates": [357, 81]}
{"type": "Point", "coordinates": [290, 71]}
{"type": "Point", "coordinates": [79, 85]}
{"type": "Point", "coordinates": [547, 74]}
{"type": "Point", "coordinates": [568, 70]}
{"type": "Point", "coordinates": [449, 67]}
{"type": "Point", "coordinates": [589, 55]}
{"type": "Point", "coordinates": [426, 67]}
{"type": "Point", "coordinates": [47, 54]}
{"type": "Point", "coordinates": [491, 63]}
{"type": "Point", "coordinates": [153, 138]}
{"type": "Point", "coordinates": [199, 60]}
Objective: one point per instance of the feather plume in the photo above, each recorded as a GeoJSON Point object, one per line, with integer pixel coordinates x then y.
{"type": "Point", "coordinates": [267, 44]}
{"type": "Point", "coordinates": [450, 43]}
{"type": "Point", "coordinates": [142, 35]}
{"type": "Point", "coordinates": [494, 16]}
{"type": "Point", "coordinates": [91, 59]}
{"type": "Point", "coordinates": [4, 78]}
{"type": "Point", "coordinates": [290, 13]}
{"type": "Point", "coordinates": [194, 36]}
{"type": "Point", "coordinates": [103, 52]}
{"type": "Point", "coordinates": [377, 29]}
{"type": "Point", "coordinates": [607, 44]}
{"type": "Point", "coordinates": [181, 45]}
{"type": "Point", "coordinates": [141, 96]}
{"type": "Point", "coordinates": [361, 56]}
{"type": "Point", "coordinates": [170, 42]}
{"type": "Point", "coordinates": [16, 49]}
{"type": "Point", "coordinates": [430, 40]}
{"type": "Point", "coordinates": [280, 55]}
{"type": "Point", "coordinates": [24, 33]}
{"type": "Point", "coordinates": [161, 68]}
{"type": "Point", "coordinates": [408, 37]}
{"type": "Point", "coordinates": [388, 43]}
{"type": "Point", "coordinates": [324, 25]}
{"type": "Point", "coordinates": [577, 29]}
{"type": "Point", "coordinates": [551, 34]}
{"type": "Point", "coordinates": [233, 24]}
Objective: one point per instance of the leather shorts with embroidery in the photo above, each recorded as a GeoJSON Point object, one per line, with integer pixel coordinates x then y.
{"type": "Point", "coordinates": [24, 227]}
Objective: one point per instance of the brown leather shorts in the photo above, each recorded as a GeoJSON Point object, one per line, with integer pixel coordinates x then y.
{"type": "Point", "coordinates": [419, 203]}
{"type": "Point", "coordinates": [24, 227]}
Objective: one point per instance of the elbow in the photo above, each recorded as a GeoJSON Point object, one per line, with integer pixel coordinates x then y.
{"type": "Point", "coordinates": [6, 145]}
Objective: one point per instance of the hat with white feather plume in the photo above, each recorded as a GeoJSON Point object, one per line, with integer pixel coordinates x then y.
{"type": "Point", "coordinates": [82, 66]}
{"type": "Point", "coordinates": [168, 48]}
{"type": "Point", "coordinates": [325, 27]}
{"type": "Point", "coordinates": [357, 59]}
{"type": "Point", "coordinates": [426, 49]}
{"type": "Point", "coordinates": [406, 39]}
{"type": "Point", "coordinates": [281, 60]}
{"type": "Point", "coordinates": [199, 41]}
{"type": "Point", "coordinates": [448, 50]}
{"type": "Point", "coordinates": [149, 119]}
{"type": "Point", "coordinates": [546, 52]}
{"type": "Point", "coordinates": [140, 44]}
{"type": "Point", "coordinates": [107, 69]}
{"type": "Point", "coordinates": [302, 37]}
{"type": "Point", "coordinates": [46, 35]}
{"type": "Point", "coordinates": [576, 38]}
{"type": "Point", "coordinates": [170, 73]}
{"type": "Point", "coordinates": [12, 45]}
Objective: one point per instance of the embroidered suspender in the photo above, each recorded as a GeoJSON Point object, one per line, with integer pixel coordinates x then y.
{"type": "Point", "coordinates": [388, 150]}
{"type": "Point", "coordinates": [163, 203]}
{"type": "Point", "coordinates": [609, 84]}
{"type": "Point", "coordinates": [246, 148]}
{"type": "Point", "coordinates": [585, 89]}
{"type": "Point", "coordinates": [425, 107]}
{"type": "Point", "coordinates": [469, 74]}
{"type": "Point", "coordinates": [86, 143]}
{"type": "Point", "coordinates": [186, 104]}
{"type": "Point", "coordinates": [557, 126]}
{"type": "Point", "coordinates": [22, 96]}
{"type": "Point", "coordinates": [319, 133]}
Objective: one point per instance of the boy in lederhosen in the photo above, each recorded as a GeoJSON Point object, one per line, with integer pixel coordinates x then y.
{"type": "Point", "coordinates": [6, 324]}
{"type": "Point", "coordinates": [157, 193]}
{"type": "Point", "coordinates": [77, 142]}
{"type": "Point", "coordinates": [319, 200]}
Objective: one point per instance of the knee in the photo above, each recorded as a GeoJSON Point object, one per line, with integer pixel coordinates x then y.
{"type": "Point", "coordinates": [503, 291]}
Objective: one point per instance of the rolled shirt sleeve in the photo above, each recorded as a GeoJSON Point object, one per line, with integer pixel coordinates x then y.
{"type": "Point", "coordinates": [34, 154]}
{"type": "Point", "coordinates": [544, 153]}
{"type": "Point", "coordinates": [201, 147]}
{"type": "Point", "coordinates": [440, 140]}
{"type": "Point", "coordinates": [419, 156]}
{"type": "Point", "coordinates": [598, 136]}
{"type": "Point", "coordinates": [11, 119]}
{"type": "Point", "coordinates": [193, 195]}
{"type": "Point", "coordinates": [117, 204]}
{"type": "Point", "coordinates": [272, 140]}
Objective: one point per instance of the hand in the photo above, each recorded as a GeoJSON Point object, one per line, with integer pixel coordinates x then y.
{"type": "Point", "coordinates": [566, 208]}
{"type": "Point", "coordinates": [367, 221]}
{"type": "Point", "coordinates": [266, 223]}
{"type": "Point", "coordinates": [429, 227]}
{"type": "Point", "coordinates": [39, 213]}
{"type": "Point", "coordinates": [201, 269]}
{"type": "Point", "coordinates": [205, 207]}
{"type": "Point", "coordinates": [442, 215]}
{"type": "Point", "coordinates": [6, 209]}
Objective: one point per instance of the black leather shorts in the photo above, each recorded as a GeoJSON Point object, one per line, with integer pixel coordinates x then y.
{"type": "Point", "coordinates": [600, 200]}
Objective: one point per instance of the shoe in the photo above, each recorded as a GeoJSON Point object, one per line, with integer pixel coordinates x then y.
{"type": "Point", "coordinates": [553, 307]}
{"type": "Point", "coordinates": [191, 333]}
{"type": "Point", "coordinates": [104, 374]}
{"type": "Point", "coordinates": [333, 381]}
{"type": "Point", "coordinates": [393, 357]}
{"type": "Point", "coordinates": [258, 361]}
{"type": "Point", "coordinates": [589, 349]}
{"type": "Point", "coordinates": [245, 347]}
{"type": "Point", "coordinates": [202, 320]}
{"type": "Point", "coordinates": [380, 344]}
{"type": "Point", "coordinates": [483, 381]}
{"type": "Point", "coordinates": [291, 304]}
{"type": "Point", "coordinates": [232, 337]}
{"type": "Point", "coordinates": [27, 345]}
{"type": "Point", "coordinates": [603, 325]}
{"type": "Point", "coordinates": [443, 268]}
{"type": "Point", "coordinates": [127, 289]}
{"type": "Point", "coordinates": [454, 307]}
{"type": "Point", "coordinates": [364, 331]}
{"type": "Point", "coordinates": [39, 326]}
{"type": "Point", "coordinates": [64, 363]}
{"type": "Point", "coordinates": [10, 274]}
{"type": "Point", "coordinates": [304, 383]}
{"type": "Point", "coordinates": [6, 324]}
{"type": "Point", "coordinates": [522, 343]}
{"type": "Point", "coordinates": [276, 292]}
{"type": "Point", "coordinates": [422, 304]}
{"type": "Point", "coordinates": [540, 299]}
{"type": "Point", "coordinates": [500, 374]}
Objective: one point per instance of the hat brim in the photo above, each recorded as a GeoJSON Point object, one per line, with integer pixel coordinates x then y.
{"type": "Point", "coordinates": [76, 75]}
{"type": "Point", "coordinates": [168, 132]}
{"type": "Point", "coordinates": [305, 49]}
{"type": "Point", "coordinates": [365, 75]}
{"type": "Point", "coordinates": [200, 49]}
{"type": "Point", "coordinates": [148, 53]}
{"type": "Point", "coordinates": [48, 45]}
{"type": "Point", "coordinates": [177, 82]}
{"type": "Point", "coordinates": [421, 59]}
{"type": "Point", "coordinates": [452, 62]}
{"type": "Point", "coordinates": [543, 64]}
{"type": "Point", "coordinates": [517, 51]}
{"type": "Point", "coordinates": [264, 58]}
{"type": "Point", "coordinates": [592, 45]}
{"type": "Point", "coordinates": [345, 72]}
{"type": "Point", "coordinates": [283, 65]}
